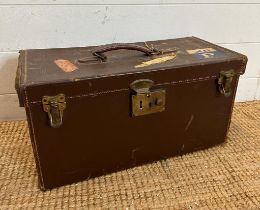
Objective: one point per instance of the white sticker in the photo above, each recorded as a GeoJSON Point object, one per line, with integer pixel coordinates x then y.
{"type": "Point", "coordinates": [203, 50]}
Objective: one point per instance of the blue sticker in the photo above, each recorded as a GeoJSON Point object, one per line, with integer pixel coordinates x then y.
{"type": "Point", "coordinates": [206, 53]}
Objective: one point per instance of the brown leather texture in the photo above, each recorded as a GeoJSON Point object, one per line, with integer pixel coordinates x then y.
{"type": "Point", "coordinates": [99, 134]}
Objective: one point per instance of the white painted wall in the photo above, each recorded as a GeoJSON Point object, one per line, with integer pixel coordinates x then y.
{"type": "Point", "coordinates": [234, 24]}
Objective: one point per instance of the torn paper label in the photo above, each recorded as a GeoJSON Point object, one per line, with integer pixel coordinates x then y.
{"type": "Point", "coordinates": [156, 61]}
{"type": "Point", "coordinates": [65, 65]}
{"type": "Point", "coordinates": [205, 53]}
{"type": "Point", "coordinates": [203, 50]}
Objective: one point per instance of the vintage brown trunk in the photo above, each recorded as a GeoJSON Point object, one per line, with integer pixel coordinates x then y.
{"type": "Point", "coordinates": [92, 112]}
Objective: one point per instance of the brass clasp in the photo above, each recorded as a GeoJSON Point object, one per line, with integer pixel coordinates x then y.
{"type": "Point", "coordinates": [225, 81]}
{"type": "Point", "coordinates": [144, 100]}
{"type": "Point", "coordinates": [54, 106]}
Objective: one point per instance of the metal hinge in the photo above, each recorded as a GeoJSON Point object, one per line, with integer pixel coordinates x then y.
{"type": "Point", "coordinates": [225, 81]}
{"type": "Point", "coordinates": [54, 106]}
{"type": "Point", "coordinates": [144, 100]}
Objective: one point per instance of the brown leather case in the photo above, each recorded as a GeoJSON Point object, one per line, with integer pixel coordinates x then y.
{"type": "Point", "coordinates": [91, 111]}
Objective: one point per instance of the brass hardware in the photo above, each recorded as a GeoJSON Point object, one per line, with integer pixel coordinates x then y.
{"type": "Point", "coordinates": [225, 81]}
{"type": "Point", "coordinates": [146, 101]}
{"type": "Point", "coordinates": [54, 106]}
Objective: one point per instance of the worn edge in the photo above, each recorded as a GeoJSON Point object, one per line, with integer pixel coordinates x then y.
{"type": "Point", "coordinates": [19, 85]}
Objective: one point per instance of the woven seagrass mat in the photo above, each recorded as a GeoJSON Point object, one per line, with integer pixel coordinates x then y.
{"type": "Point", "coordinates": [223, 177]}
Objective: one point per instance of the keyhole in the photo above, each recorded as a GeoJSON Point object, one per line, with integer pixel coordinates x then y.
{"type": "Point", "coordinates": [141, 104]}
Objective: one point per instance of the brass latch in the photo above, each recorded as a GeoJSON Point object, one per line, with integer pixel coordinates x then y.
{"type": "Point", "coordinates": [54, 106]}
{"type": "Point", "coordinates": [146, 101]}
{"type": "Point", "coordinates": [225, 81]}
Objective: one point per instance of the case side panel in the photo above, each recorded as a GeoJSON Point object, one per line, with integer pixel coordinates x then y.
{"type": "Point", "coordinates": [33, 140]}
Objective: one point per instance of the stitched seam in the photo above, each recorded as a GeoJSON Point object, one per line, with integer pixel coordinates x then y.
{"type": "Point", "coordinates": [34, 139]}
{"type": "Point", "coordinates": [99, 93]}
{"type": "Point", "coordinates": [188, 80]}
{"type": "Point", "coordinates": [112, 76]}
{"type": "Point", "coordinates": [127, 89]}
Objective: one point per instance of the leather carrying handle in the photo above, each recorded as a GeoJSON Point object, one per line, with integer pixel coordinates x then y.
{"type": "Point", "coordinates": [99, 52]}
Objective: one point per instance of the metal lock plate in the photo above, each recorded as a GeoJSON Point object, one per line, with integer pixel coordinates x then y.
{"type": "Point", "coordinates": [54, 106]}
{"type": "Point", "coordinates": [146, 101]}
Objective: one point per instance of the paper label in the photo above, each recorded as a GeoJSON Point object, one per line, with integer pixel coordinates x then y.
{"type": "Point", "coordinates": [205, 53]}
{"type": "Point", "coordinates": [156, 61]}
{"type": "Point", "coordinates": [65, 65]}
{"type": "Point", "coordinates": [203, 50]}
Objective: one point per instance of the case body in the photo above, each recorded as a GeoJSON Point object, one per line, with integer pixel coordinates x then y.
{"type": "Point", "coordinates": [99, 133]}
